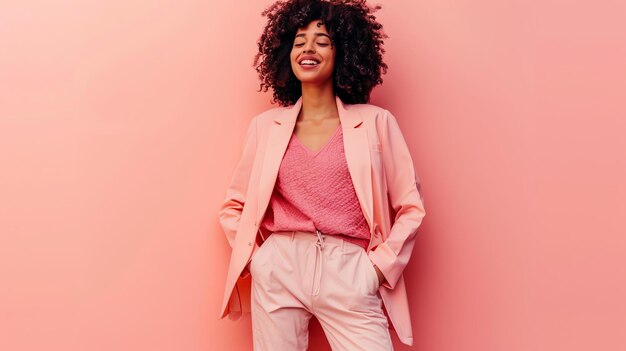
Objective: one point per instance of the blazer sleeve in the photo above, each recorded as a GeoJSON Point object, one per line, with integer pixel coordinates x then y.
{"type": "Point", "coordinates": [232, 207]}
{"type": "Point", "coordinates": [404, 193]}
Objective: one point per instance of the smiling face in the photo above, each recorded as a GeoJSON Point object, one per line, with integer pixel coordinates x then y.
{"type": "Point", "coordinates": [313, 54]}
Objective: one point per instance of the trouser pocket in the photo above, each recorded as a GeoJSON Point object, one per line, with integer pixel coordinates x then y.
{"type": "Point", "coordinates": [259, 254]}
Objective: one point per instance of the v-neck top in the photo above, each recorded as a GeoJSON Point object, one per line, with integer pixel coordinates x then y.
{"type": "Point", "coordinates": [314, 190]}
{"type": "Point", "coordinates": [315, 153]}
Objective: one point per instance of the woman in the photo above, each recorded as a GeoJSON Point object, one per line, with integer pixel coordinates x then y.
{"type": "Point", "coordinates": [307, 212]}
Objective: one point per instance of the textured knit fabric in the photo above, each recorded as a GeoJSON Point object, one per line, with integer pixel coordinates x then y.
{"type": "Point", "coordinates": [314, 191]}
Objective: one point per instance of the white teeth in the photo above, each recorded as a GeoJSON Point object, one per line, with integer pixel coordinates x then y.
{"type": "Point", "coordinates": [308, 62]}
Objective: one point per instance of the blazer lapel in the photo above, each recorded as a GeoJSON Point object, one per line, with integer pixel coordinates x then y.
{"type": "Point", "coordinates": [356, 147]}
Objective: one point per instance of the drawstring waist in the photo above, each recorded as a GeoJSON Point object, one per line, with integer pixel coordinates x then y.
{"type": "Point", "coordinates": [320, 240]}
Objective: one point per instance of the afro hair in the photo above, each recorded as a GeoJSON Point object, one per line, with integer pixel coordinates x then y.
{"type": "Point", "coordinates": [355, 34]}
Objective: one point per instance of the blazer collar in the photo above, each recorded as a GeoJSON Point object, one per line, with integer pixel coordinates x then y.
{"type": "Point", "coordinates": [346, 117]}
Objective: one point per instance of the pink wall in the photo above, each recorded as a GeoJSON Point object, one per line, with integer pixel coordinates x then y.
{"type": "Point", "coordinates": [121, 123]}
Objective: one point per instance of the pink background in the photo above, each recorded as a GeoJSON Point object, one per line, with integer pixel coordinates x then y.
{"type": "Point", "coordinates": [121, 123]}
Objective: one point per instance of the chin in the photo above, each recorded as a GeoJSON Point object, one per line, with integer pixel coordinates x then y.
{"type": "Point", "coordinates": [313, 79]}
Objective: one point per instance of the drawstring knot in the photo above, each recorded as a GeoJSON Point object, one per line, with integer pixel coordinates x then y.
{"type": "Point", "coordinates": [320, 239]}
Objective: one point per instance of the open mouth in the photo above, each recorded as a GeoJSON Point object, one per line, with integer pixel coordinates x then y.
{"type": "Point", "coordinates": [309, 63]}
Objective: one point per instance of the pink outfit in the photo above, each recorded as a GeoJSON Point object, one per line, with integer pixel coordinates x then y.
{"type": "Point", "coordinates": [314, 191]}
{"type": "Point", "coordinates": [388, 191]}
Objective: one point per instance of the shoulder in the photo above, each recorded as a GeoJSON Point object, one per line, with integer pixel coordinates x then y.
{"type": "Point", "coordinates": [366, 109]}
{"type": "Point", "coordinates": [266, 116]}
{"type": "Point", "coordinates": [374, 114]}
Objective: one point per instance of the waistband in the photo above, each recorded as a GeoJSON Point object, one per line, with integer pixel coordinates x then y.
{"type": "Point", "coordinates": [333, 238]}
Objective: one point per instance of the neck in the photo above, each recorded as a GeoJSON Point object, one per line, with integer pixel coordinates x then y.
{"type": "Point", "coordinates": [318, 101]}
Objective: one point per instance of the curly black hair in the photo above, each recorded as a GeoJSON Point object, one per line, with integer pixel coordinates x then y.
{"type": "Point", "coordinates": [353, 29]}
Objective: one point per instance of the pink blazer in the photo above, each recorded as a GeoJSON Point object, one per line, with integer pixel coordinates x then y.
{"type": "Point", "coordinates": [383, 174]}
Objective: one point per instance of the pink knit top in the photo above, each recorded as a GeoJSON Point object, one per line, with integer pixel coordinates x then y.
{"type": "Point", "coordinates": [314, 190]}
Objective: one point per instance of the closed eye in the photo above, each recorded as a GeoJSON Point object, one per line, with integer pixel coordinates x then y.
{"type": "Point", "coordinates": [320, 44]}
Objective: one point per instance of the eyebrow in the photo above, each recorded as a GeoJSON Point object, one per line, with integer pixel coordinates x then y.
{"type": "Point", "coordinates": [318, 34]}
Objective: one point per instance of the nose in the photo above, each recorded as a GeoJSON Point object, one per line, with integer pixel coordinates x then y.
{"type": "Point", "coordinates": [309, 47]}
